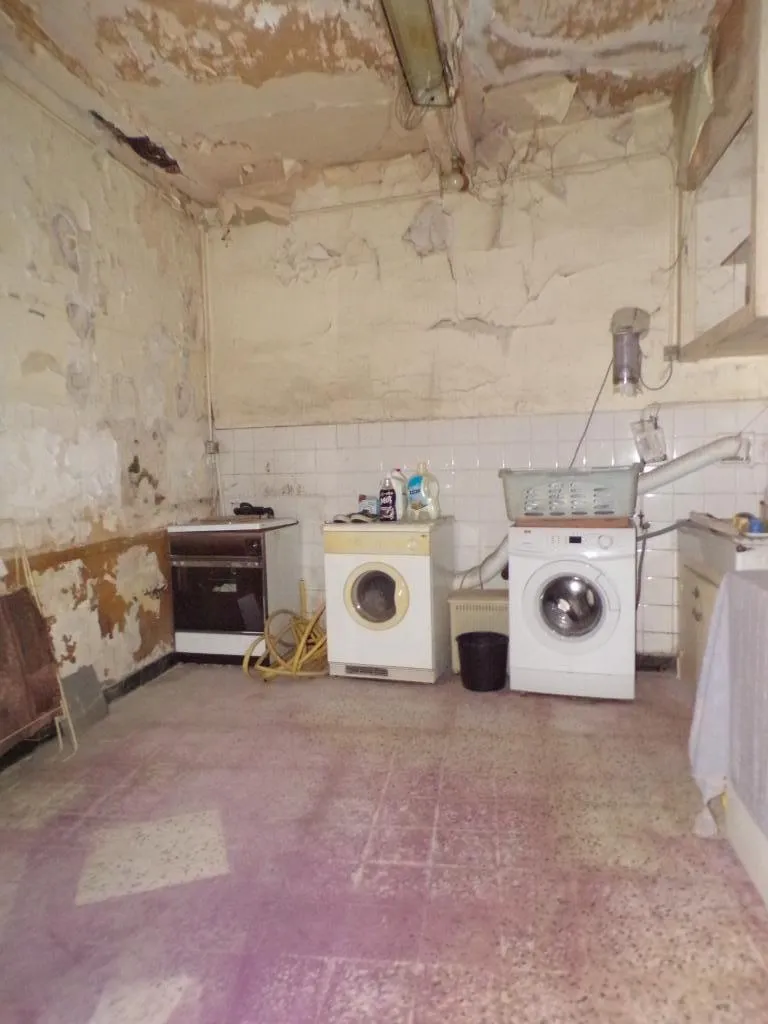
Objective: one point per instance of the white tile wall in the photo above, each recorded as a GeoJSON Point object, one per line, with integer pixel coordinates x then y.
{"type": "Point", "coordinates": [315, 472]}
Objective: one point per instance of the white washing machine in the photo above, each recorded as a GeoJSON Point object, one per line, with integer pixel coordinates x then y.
{"type": "Point", "coordinates": [572, 611]}
{"type": "Point", "coordinates": [386, 593]}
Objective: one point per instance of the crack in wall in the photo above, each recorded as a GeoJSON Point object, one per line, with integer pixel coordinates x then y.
{"type": "Point", "coordinates": [476, 326]}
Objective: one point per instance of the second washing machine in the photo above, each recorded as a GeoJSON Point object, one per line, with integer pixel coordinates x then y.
{"type": "Point", "coordinates": [572, 611]}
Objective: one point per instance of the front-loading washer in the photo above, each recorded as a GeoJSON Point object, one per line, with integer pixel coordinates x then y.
{"type": "Point", "coordinates": [572, 611]}
{"type": "Point", "coordinates": [386, 595]}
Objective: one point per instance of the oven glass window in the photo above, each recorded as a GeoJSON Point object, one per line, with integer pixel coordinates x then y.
{"type": "Point", "coordinates": [220, 599]}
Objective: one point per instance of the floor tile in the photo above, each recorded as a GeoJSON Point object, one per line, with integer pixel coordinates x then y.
{"type": "Point", "coordinates": [369, 992]}
{"type": "Point", "coordinates": [137, 858]}
{"type": "Point", "coordinates": [400, 845]}
{"type": "Point", "coordinates": [466, 933]}
{"type": "Point", "coordinates": [280, 989]}
{"type": "Point", "coordinates": [457, 995]}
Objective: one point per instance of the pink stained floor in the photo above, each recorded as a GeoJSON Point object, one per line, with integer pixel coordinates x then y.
{"type": "Point", "coordinates": [223, 852]}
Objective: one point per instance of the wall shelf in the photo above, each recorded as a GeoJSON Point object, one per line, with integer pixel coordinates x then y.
{"type": "Point", "coordinates": [723, 222]}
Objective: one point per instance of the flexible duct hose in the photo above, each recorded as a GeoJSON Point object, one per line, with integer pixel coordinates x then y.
{"type": "Point", "coordinates": [483, 573]}
{"type": "Point", "coordinates": [296, 648]}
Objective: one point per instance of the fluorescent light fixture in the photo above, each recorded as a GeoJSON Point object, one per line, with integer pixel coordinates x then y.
{"type": "Point", "coordinates": [412, 26]}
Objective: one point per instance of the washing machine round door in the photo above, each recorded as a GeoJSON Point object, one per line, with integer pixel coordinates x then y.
{"type": "Point", "coordinates": [376, 596]}
{"type": "Point", "coordinates": [571, 602]}
{"type": "Point", "coordinates": [571, 606]}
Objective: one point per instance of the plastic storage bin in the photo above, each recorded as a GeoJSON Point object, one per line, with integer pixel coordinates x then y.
{"type": "Point", "coordinates": [570, 492]}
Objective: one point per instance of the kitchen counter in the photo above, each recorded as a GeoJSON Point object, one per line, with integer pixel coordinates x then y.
{"type": "Point", "coordinates": [715, 547]}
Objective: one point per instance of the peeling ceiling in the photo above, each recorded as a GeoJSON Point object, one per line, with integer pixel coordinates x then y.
{"type": "Point", "coordinates": [249, 94]}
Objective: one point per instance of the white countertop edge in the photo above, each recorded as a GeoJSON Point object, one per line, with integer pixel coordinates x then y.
{"type": "Point", "coordinates": [230, 526]}
{"type": "Point", "coordinates": [403, 525]}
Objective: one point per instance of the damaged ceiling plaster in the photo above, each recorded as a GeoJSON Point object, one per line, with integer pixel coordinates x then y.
{"type": "Point", "coordinates": [255, 98]}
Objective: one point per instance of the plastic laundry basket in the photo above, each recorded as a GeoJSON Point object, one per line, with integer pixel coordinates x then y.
{"type": "Point", "coordinates": [483, 660]}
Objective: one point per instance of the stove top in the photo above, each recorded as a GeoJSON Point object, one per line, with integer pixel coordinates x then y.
{"type": "Point", "coordinates": [221, 524]}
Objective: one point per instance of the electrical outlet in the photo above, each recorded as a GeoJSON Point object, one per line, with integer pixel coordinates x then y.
{"type": "Point", "coordinates": [671, 353]}
{"type": "Point", "coordinates": [211, 447]}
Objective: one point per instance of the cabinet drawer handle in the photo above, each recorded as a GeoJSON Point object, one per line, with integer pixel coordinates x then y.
{"type": "Point", "coordinates": [698, 616]}
{"type": "Point", "coordinates": [696, 593]}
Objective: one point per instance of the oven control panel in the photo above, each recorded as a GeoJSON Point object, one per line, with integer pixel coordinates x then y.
{"type": "Point", "coordinates": [230, 546]}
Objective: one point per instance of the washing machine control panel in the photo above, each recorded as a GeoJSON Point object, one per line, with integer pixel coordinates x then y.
{"type": "Point", "coordinates": [562, 542]}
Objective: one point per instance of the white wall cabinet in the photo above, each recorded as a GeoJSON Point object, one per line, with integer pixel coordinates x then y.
{"type": "Point", "coordinates": [723, 215]}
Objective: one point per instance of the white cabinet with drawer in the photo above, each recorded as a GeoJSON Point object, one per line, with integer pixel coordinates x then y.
{"type": "Point", "coordinates": [705, 556]}
{"type": "Point", "coordinates": [697, 602]}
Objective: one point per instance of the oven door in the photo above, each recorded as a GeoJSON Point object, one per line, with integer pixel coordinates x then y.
{"type": "Point", "coordinates": [217, 596]}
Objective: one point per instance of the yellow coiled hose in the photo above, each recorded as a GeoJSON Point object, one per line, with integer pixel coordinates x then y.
{"type": "Point", "coordinates": [294, 645]}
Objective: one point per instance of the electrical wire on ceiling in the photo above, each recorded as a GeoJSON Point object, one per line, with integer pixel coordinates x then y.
{"type": "Point", "coordinates": [591, 413]}
{"type": "Point", "coordinates": [408, 115]}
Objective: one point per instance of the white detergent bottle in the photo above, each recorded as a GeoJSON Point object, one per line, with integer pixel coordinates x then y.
{"type": "Point", "coordinates": [401, 493]}
{"type": "Point", "coordinates": [423, 495]}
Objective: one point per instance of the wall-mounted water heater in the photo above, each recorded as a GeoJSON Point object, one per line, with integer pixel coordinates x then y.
{"type": "Point", "coordinates": [628, 326]}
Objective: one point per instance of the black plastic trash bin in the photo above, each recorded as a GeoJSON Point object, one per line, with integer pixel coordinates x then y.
{"type": "Point", "coordinates": [483, 661]}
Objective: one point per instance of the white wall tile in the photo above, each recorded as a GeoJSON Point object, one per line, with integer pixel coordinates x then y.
{"type": "Point", "coordinates": [347, 435]}
{"type": "Point", "coordinates": [544, 428]}
{"type": "Point", "coordinates": [492, 430]}
{"type": "Point", "coordinates": [721, 418]}
{"type": "Point", "coordinates": [441, 459]}
{"type": "Point", "coordinates": [282, 438]}
{"type": "Point", "coordinates": [370, 434]}
{"type": "Point", "coordinates": [465, 431]}
{"type": "Point", "coordinates": [304, 461]}
{"type": "Point", "coordinates": [226, 440]}
{"type": "Point", "coordinates": [684, 421]}
{"type": "Point", "coordinates": [658, 508]}
{"type": "Point", "coordinates": [491, 456]}
{"type": "Point", "coordinates": [325, 437]}
{"type": "Point", "coordinates": [518, 428]}
{"type": "Point", "coordinates": [393, 433]}
{"type": "Point", "coordinates": [242, 440]}
{"type": "Point", "coordinates": [601, 427]}
{"type": "Point", "coordinates": [465, 456]}
{"type": "Point", "coordinates": [516, 455]}
{"type": "Point", "coordinates": [543, 454]}
{"type": "Point", "coordinates": [569, 428]}
{"type": "Point", "coordinates": [417, 433]}
{"type": "Point", "coordinates": [624, 451]}
{"type": "Point", "coordinates": [598, 452]}
{"type": "Point", "coordinates": [244, 462]}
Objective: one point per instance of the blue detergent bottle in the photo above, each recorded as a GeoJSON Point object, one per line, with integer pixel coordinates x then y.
{"type": "Point", "coordinates": [423, 495]}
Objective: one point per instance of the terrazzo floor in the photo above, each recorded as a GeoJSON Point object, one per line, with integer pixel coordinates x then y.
{"type": "Point", "coordinates": [224, 852]}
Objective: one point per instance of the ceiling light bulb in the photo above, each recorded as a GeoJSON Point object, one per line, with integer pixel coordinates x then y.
{"type": "Point", "coordinates": [454, 181]}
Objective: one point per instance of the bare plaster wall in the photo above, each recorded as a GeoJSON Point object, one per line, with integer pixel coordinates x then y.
{"type": "Point", "coordinates": [383, 300]}
{"type": "Point", "coordinates": [102, 395]}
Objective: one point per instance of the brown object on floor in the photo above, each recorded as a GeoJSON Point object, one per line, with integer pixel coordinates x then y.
{"type": "Point", "coordinates": [29, 688]}
{"type": "Point", "coordinates": [576, 522]}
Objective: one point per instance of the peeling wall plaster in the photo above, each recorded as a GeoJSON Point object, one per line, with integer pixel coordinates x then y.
{"type": "Point", "coordinates": [102, 408]}
{"type": "Point", "coordinates": [508, 313]}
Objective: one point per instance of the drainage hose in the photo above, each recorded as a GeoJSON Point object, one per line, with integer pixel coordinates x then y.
{"type": "Point", "coordinates": [295, 645]}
